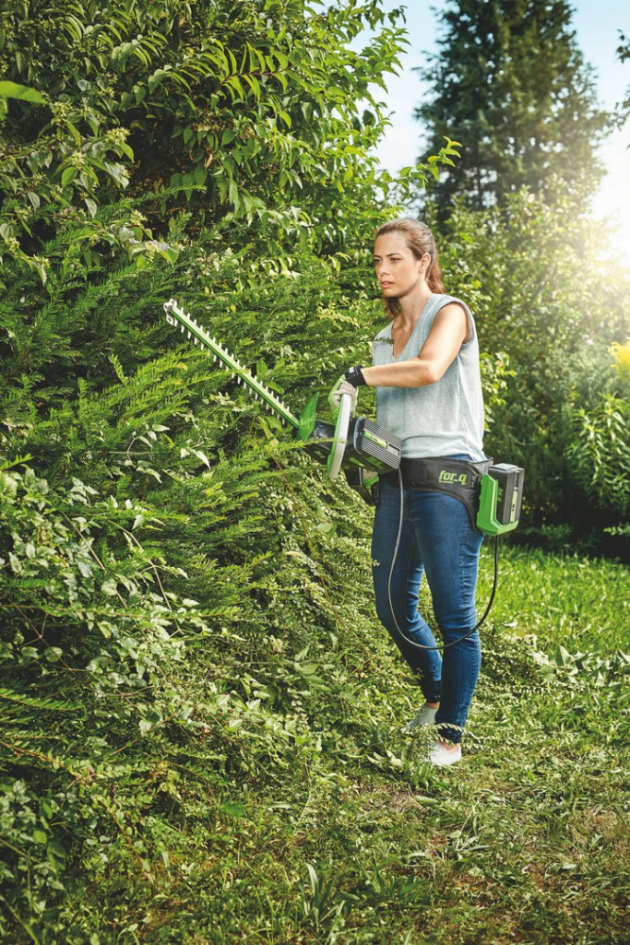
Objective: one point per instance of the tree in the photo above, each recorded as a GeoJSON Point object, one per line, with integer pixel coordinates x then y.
{"type": "Point", "coordinates": [549, 293]}
{"type": "Point", "coordinates": [623, 54]}
{"type": "Point", "coordinates": [511, 85]}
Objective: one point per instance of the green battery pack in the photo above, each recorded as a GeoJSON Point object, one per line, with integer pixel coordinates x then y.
{"type": "Point", "coordinates": [501, 499]}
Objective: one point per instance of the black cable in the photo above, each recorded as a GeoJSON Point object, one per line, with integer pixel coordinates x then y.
{"type": "Point", "coordinates": [443, 646]}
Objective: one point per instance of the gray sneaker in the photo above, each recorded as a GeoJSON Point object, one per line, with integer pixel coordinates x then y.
{"type": "Point", "coordinates": [426, 716]}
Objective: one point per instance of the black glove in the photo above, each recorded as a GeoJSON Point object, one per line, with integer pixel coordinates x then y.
{"type": "Point", "coordinates": [354, 376]}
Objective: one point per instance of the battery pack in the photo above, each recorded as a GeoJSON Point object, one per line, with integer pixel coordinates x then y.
{"type": "Point", "coordinates": [510, 492]}
{"type": "Point", "coordinates": [501, 499]}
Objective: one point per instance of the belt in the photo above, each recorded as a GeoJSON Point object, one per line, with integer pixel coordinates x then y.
{"type": "Point", "coordinates": [458, 478]}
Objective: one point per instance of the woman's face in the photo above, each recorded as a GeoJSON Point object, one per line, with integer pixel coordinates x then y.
{"type": "Point", "coordinates": [397, 269]}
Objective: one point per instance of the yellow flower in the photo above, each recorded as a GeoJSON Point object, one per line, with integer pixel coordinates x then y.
{"type": "Point", "coordinates": [621, 356]}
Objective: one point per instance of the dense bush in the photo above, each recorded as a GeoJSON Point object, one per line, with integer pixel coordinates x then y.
{"type": "Point", "coordinates": [599, 441]}
{"type": "Point", "coordinates": [173, 512]}
{"type": "Point", "coordinates": [259, 112]}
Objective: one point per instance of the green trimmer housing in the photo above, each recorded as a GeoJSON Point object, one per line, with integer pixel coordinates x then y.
{"type": "Point", "coordinates": [360, 447]}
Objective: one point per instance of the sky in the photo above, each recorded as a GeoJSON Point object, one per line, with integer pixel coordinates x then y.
{"type": "Point", "coordinates": [597, 24]}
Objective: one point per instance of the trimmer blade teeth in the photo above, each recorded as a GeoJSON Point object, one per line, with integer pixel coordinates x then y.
{"type": "Point", "coordinates": [231, 365]}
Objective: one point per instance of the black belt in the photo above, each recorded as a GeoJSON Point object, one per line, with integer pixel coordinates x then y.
{"type": "Point", "coordinates": [458, 478]}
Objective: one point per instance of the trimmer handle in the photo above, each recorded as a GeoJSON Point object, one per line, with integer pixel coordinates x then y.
{"type": "Point", "coordinates": [340, 437]}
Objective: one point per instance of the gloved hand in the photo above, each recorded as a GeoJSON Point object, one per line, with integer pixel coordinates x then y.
{"type": "Point", "coordinates": [343, 387]}
{"type": "Point", "coordinates": [347, 384]}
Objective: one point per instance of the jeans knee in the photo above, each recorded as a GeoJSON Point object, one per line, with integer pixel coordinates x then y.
{"type": "Point", "coordinates": [458, 618]}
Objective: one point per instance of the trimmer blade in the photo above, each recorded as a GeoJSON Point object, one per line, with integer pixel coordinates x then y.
{"type": "Point", "coordinates": [187, 324]}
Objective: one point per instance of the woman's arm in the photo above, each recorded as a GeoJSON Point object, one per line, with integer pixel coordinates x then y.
{"type": "Point", "coordinates": [448, 333]}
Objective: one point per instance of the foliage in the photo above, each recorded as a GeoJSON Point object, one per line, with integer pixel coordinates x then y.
{"type": "Point", "coordinates": [510, 83]}
{"type": "Point", "coordinates": [600, 454]}
{"type": "Point", "coordinates": [544, 284]}
{"type": "Point", "coordinates": [260, 116]}
{"type": "Point", "coordinates": [294, 809]}
{"type": "Point", "coordinates": [13, 90]}
{"type": "Point", "coordinates": [161, 487]}
{"type": "Point", "coordinates": [621, 358]}
{"type": "Point", "coordinates": [623, 54]}
{"type": "Point", "coordinates": [87, 631]}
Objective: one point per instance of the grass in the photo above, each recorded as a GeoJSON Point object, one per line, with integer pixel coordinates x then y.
{"type": "Point", "coordinates": [573, 601]}
{"type": "Point", "coordinates": [350, 838]}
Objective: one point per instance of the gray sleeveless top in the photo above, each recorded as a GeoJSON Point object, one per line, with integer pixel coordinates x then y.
{"type": "Point", "coordinates": [440, 419]}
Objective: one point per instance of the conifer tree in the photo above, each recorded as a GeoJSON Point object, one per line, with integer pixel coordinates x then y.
{"type": "Point", "coordinates": [623, 54]}
{"type": "Point", "coordinates": [510, 84]}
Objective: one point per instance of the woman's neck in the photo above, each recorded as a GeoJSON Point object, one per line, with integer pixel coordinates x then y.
{"type": "Point", "coordinates": [412, 305]}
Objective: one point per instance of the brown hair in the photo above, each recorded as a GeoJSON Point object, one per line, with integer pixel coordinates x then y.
{"type": "Point", "coordinates": [419, 239]}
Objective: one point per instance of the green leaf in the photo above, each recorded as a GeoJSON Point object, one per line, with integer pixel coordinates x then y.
{"type": "Point", "coordinates": [200, 176]}
{"type": "Point", "coordinates": [68, 176]}
{"type": "Point", "coordinates": [73, 131]}
{"type": "Point", "coordinates": [22, 92]}
{"type": "Point", "coordinates": [154, 80]}
{"type": "Point", "coordinates": [232, 808]}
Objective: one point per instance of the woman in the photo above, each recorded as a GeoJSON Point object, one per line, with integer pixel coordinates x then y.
{"type": "Point", "coordinates": [426, 374]}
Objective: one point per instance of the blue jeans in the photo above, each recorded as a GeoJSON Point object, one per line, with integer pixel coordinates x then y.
{"type": "Point", "coordinates": [437, 539]}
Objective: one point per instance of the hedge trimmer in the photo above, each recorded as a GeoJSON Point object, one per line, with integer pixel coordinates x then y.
{"type": "Point", "coordinates": [360, 446]}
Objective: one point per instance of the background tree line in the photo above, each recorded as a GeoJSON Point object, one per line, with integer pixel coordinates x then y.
{"type": "Point", "coordinates": [510, 84]}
